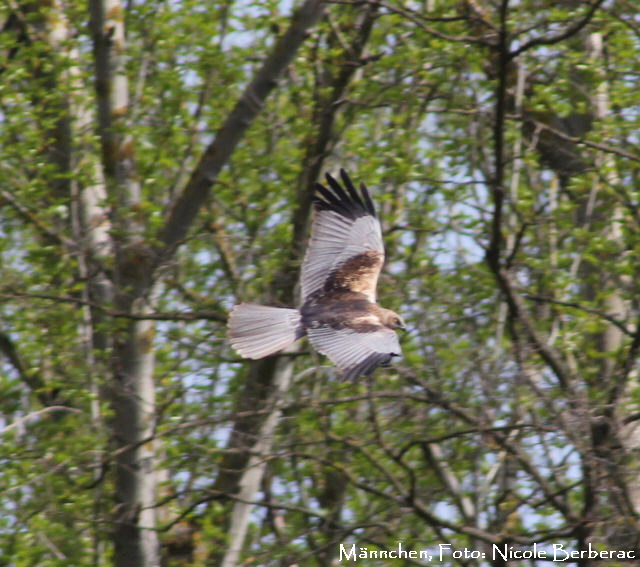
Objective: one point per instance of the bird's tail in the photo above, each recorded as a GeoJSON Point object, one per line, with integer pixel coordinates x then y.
{"type": "Point", "coordinates": [256, 331]}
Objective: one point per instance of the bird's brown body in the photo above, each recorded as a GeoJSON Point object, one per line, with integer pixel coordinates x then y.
{"type": "Point", "coordinates": [346, 310]}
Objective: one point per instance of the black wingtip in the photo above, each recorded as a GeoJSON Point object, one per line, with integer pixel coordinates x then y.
{"type": "Point", "coordinates": [367, 199]}
{"type": "Point", "coordinates": [344, 198]}
{"type": "Point", "coordinates": [367, 366]}
{"type": "Point", "coordinates": [350, 187]}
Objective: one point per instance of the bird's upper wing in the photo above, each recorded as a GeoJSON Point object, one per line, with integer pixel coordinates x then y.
{"type": "Point", "coordinates": [356, 353]}
{"type": "Point", "coordinates": [345, 249]}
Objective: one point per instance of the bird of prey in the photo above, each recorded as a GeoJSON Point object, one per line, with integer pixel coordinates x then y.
{"type": "Point", "coordinates": [338, 312]}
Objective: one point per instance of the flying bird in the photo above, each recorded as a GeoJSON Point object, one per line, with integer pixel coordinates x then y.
{"type": "Point", "coordinates": [338, 312]}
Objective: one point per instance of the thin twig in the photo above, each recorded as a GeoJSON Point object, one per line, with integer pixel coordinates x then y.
{"type": "Point", "coordinates": [170, 316]}
{"type": "Point", "coordinates": [51, 409]}
{"type": "Point", "coordinates": [610, 318]}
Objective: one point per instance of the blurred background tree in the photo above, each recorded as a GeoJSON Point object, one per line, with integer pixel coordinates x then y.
{"type": "Point", "coordinates": [156, 167]}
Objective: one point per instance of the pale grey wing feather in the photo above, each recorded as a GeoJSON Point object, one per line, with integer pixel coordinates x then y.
{"type": "Point", "coordinates": [334, 240]}
{"type": "Point", "coordinates": [356, 353]}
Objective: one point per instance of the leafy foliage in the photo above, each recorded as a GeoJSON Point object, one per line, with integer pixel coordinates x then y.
{"type": "Point", "coordinates": [511, 234]}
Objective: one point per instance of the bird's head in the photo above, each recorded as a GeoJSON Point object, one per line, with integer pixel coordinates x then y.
{"type": "Point", "coordinates": [392, 320]}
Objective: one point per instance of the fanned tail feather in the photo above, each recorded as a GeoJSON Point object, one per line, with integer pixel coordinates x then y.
{"type": "Point", "coordinates": [256, 331]}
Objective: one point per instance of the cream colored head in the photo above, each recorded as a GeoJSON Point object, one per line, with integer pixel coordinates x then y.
{"type": "Point", "coordinates": [391, 319]}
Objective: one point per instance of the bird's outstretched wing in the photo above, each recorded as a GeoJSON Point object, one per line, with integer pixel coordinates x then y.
{"type": "Point", "coordinates": [345, 250]}
{"type": "Point", "coordinates": [356, 353]}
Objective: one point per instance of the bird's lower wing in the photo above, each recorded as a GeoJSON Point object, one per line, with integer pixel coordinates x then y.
{"type": "Point", "coordinates": [356, 353]}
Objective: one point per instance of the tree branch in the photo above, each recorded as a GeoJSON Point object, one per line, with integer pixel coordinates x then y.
{"type": "Point", "coordinates": [26, 213]}
{"type": "Point", "coordinates": [519, 312]}
{"type": "Point", "coordinates": [497, 182]}
{"type": "Point", "coordinates": [420, 20]}
{"type": "Point", "coordinates": [219, 316]}
{"type": "Point", "coordinates": [33, 381]}
{"type": "Point", "coordinates": [217, 154]}
{"type": "Point", "coordinates": [584, 308]}
{"type": "Point", "coordinates": [50, 409]}
{"type": "Point", "coordinates": [561, 36]}
{"type": "Point", "coordinates": [581, 141]}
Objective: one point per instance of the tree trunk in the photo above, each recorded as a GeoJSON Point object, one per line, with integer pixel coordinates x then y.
{"type": "Point", "coordinates": [251, 477]}
{"type": "Point", "coordinates": [132, 392]}
{"type": "Point", "coordinates": [135, 536]}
